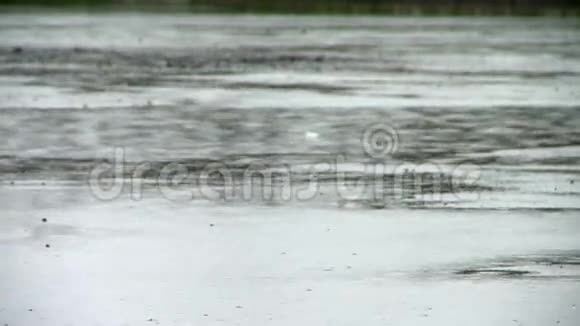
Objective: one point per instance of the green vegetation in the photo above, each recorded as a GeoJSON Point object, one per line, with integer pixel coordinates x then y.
{"type": "Point", "coordinates": [367, 7]}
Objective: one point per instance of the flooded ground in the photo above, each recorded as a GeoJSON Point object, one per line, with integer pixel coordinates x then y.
{"type": "Point", "coordinates": [409, 170]}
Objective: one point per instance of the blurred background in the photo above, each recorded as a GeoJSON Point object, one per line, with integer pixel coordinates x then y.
{"type": "Point", "coordinates": [394, 7]}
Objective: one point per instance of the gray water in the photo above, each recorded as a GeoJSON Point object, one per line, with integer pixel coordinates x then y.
{"type": "Point", "coordinates": [292, 95]}
{"type": "Point", "coordinates": [499, 93]}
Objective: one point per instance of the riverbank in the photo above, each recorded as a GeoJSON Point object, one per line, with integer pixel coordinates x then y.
{"type": "Point", "coordinates": [320, 7]}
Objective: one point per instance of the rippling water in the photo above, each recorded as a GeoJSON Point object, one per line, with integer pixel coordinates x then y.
{"type": "Point", "coordinates": [497, 93]}
{"type": "Point", "coordinates": [464, 211]}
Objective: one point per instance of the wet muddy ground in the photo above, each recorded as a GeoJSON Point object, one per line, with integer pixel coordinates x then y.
{"type": "Point", "coordinates": [466, 213]}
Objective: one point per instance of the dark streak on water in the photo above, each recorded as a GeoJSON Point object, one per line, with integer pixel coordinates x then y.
{"type": "Point", "coordinates": [561, 265]}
